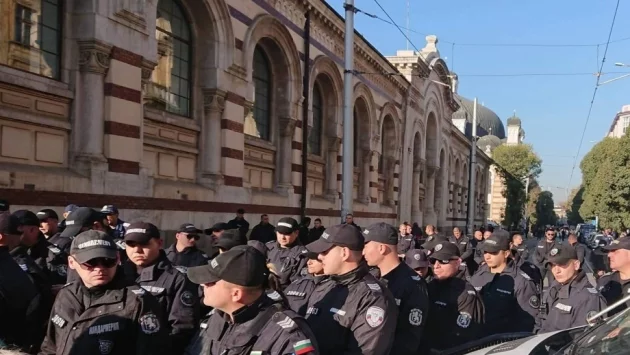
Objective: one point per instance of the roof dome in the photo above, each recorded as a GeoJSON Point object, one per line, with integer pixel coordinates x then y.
{"type": "Point", "coordinates": [490, 141]}
{"type": "Point", "coordinates": [514, 121]}
{"type": "Point", "coordinates": [486, 118]}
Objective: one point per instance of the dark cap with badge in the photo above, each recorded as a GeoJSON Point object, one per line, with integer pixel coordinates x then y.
{"type": "Point", "coordinates": [343, 235]}
{"type": "Point", "coordinates": [109, 209]}
{"type": "Point", "coordinates": [189, 228]}
{"type": "Point", "coordinates": [46, 213]}
{"type": "Point", "coordinates": [217, 227]}
{"type": "Point", "coordinates": [287, 225]}
{"type": "Point", "coordinates": [381, 233]}
{"type": "Point", "coordinates": [561, 255]}
{"type": "Point", "coordinates": [26, 218]}
{"type": "Point", "coordinates": [80, 218]}
{"type": "Point", "coordinates": [141, 232]}
{"type": "Point", "coordinates": [9, 224]}
{"type": "Point", "coordinates": [93, 244]}
{"type": "Point", "coordinates": [432, 241]}
{"type": "Point", "coordinates": [70, 208]}
{"type": "Point", "coordinates": [618, 244]}
{"type": "Point", "coordinates": [242, 265]}
{"type": "Point", "coordinates": [445, 251]}
{"type": "Point", "coordinates": [417, 258]}
{"type": "Point", "coordinates": [495, 243]}
{"type": "Point", "coordinates": [258, 245]}
{"type": "Point", "coordinates": [230, 239]}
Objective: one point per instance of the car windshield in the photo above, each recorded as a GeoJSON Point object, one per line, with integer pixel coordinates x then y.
{"type": "Point", "coordinates": [611, 337]}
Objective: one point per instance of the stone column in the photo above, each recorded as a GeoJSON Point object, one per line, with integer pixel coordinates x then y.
{"type": "Point", "coordinates": [415, 186]}
{"type": "Point", "coordinates": [365, 191]}
{"type": "Point", "coordinates": [284, 155]}
{"type": "Point", "coordinates": [332, 192]}
{"type": "Point", "coordinates": [211, 143]}
{"type": "Point", "coordinates": [429, 211]}
{"type": "Point", "coordinates": [88, 131]}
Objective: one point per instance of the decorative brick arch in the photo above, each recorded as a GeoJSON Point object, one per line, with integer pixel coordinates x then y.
{"type": "Point", "coordinates": [363, 96]}
{"type": "Point", "coordinates": [325, 72]}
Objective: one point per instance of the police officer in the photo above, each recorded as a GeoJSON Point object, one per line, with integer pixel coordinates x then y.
{"type": "Point", "coordinates": [79, 220]}
{"type": "Point", "coordinates": [571, 300]}
{"type": "Point", "coordinates": [354, 313]}
{"type": "Point", "coordinates": [244, 320]}
{"type": "Point", "coordinates": [456, 313]}
{"type": "Point", "coordinates": [418, 260]}
{"type": "Point", "coordinates": [99, 313]}
{"type": "Point", "coordinates": [148, 267]}
{"type": "Point", "coordinates": [184, 252]}
{"type": "Point", "coordinates": [48, 222]}
{"type": "Point", "coordinates": [519, 249]}
{"type": "Point", "coordinates": [300, 291]}
{"type": "Point", "coordinates": [117, 225]}
{"type": "Point", "coordinates": [230, 239]}
{"type": "Point", "coordinates": [465, 248]}
{"type": "Point", "coordinates": [286, 253]}
{"type": "Point", "coordinates": [406, 240]}
{"type": "Point", "coordinates": [580, 249]}
{"type": "Point", "coordinates": [616, 285]}
{"type": "Point", "coordinates": [409, 289]}
{"type": "Point", "coordinates": [21, 314]}
{"type": "Point", "coordinates": [542, 252]}
{"type": "Point", "coordinates": [505, 289]}
{"type": "Point", "coordinates": [66, 212]}
{"type": "Point", "coordinates": [239, 222]}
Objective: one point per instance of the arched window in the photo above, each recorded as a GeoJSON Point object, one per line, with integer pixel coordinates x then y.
{"type": "Point", "coordinates": [356, 140]}
{"type": "Point", "coordinates": [31, 36]}
{"type": "Point", "coordinates": [170, 85]}
{"type": "Point", "coordinates": [383, 152]}
{"type": "Point", "coordinates": [315, 135]}
{"type": "Point", "coordinates": [262, 96]}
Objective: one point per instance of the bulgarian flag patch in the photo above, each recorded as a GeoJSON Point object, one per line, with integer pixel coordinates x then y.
{"type": "Point", "coordinates": [303, 347]}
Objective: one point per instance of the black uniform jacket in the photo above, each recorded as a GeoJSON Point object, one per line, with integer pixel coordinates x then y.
{"type": "Point", "coordinates": [178, 296]}
{"type": "Point", "coordinates": [188, 257]}
{"type": "Point", "coordinates": [613, 289]}
{"type": "Point", "coordinates": [114, 319]}
{"type": "Point", "coordinates": [264, 327]}
{"type": "Point", "coordinates": [353, 314]}
{"type": "Point", "coordinates": [510, 292]}
{"type": "Point", "coordinates": [456, 313]}
{"type": "Point", "coordinates": [542, 251]}
{"type": "Point", "coordinates": [290, 262]}
{"type": "Point", "coordinates": [299, 292]}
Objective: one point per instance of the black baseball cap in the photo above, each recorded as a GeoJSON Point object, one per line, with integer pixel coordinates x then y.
{"type": "Point", "coordinates": [562, 254]}
{"type": "Point", "coordinates": [617, 244]}
{"type": "Point", "coordinates": [343, 235]}
{"type": "Point", "coordinates": [189, 228]}
{"type": "Point", "coordinates": [312, 256]}
{"type": "Point", "coordinates": [4, 205]}
{"type": "Point", "coordinates": [70, 208]}
{"type": "Point", "coordinates": [381, 233]}
{"type": "Point", "coordinates": [258, 245]}
{"type": "Point", "coordinates": [216, 228]}
{"type": "Point", "coordinates": [9, 224]}
{"type": "Point", "coordinates": [231, 238]}
{"type": "Point", "coordinates": [141, 232]}
{"type": "Point", "coordinates": [287, 225]}
{"type": "Point", "coordinates": [432, 241]}
{"type": "Point", "coordinates": [93, 244]}
{"type": "Point", "coordinates": [445, 251]}
{"type": "Point", "coordinates": [26, 218]}
{"type": "Point", "coordinates": [417, 258]}
{"type": "Point", "coordinates": [80, 218]}
{"type": "Point", "coordinates": [109, 209]}
{"type": "Point", "coordinates": [495, 243]}
{"type": "Point", "coordinates": [47, 213]}
{"type": "Point", "coordinates": [242, 265]}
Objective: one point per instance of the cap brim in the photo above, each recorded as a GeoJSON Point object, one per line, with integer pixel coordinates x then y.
{"type": "Point", "coordinates": [137, 237]}
{"type": "Point", "coordinates": [202, 275]}
{"type": "Point", "coordinates": [418, 264]}
{"type": "Point", "coordinates": [71, 231]}
{"type": "Point", "coordinates": [284, 230]}
{"type": "Point", "coordinates": [85, 256]}
{"type": "Point", "coordinates": [613, 247]}
{"type": "Point", "coordinates": [319, 246]}
{"type": "Point", "coordinates": [557, 261]}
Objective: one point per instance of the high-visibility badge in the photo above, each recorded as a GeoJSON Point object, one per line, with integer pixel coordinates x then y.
{"type": "Point", "coordinates": [303, 347]}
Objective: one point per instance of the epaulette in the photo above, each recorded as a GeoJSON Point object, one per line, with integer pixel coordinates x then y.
{"type": "Point", "coordinates": [525, 275]}
{"type": "Point", "coordinates": [54, 249]}
{"type": "Point", "coordinates": [68, 284]}
{"type": "Point", "coordinates": [592, 290]}
{"type": "Point", "coordinates": [138, 291]}
{"type": "Point", "coordinates": [121, 244]}
{"type": "Point", "coordinates": [374, 286]}
{"type": "Point", "coordinates": [181, 269]}
{"type": "Point", "coordinates": [205, 255]}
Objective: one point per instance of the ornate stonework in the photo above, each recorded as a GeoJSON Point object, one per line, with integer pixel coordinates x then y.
{"type": "Point", "coordinates": [287, 126]}
{"type": "Point", "coordinates": [94, 56]}
{"type": "Point", "coordinates": [147, 70]}
{"type": "Point", "coordinates": [213, 100]}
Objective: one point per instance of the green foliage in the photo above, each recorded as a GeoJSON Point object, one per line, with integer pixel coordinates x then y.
{"type": "Point", "coordinates": [532, 200]}
{"type": "Point", "coordinates": [607, 183]}
{"type": "Point", "coordinates": [573, 206]}
{"type": "Point", "coordinates": [544, 210]}
{"type": "Point", "coordinates": [515, 163]}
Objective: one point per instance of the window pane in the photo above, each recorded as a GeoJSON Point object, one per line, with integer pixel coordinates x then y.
{"type": "Point", "coordinates": [50, 16]}
{"type": "Point", "coordinates": [49, 40]}
{"type": "Point", "coordinates": [262, 89]}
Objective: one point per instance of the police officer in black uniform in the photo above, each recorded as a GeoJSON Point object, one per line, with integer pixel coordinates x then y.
{"type": "Point", "coordinates": [571, 299]}
{"type": "Point", "coordinates": [505, 289]}
{"type": "Point", "coordinates": [519, 249]}
{"type": "Point", "coordinates": [230, 239]}
{"type": "Point", "coordinates": [616, 285]}
{"type": "Point", "coordinates": [48, 222]}
{"type": "Point", "coordinates": [244, 320]}
{"type": "Point", "coordinates": [300, 291]}
{"type": "Point", "coordinates": [406, 240]}
{"type": "Point", "coordinates": [456, 313]}
{"type": "Point", "coordinates": [354, 313]}
{"type": "Point", "coordinates": [465, 248]}
{"type": "Point", "coordinates": [100, 313]}
{"type": "Point", "coordinates": [148, 267]}
{"type": "Point", "coordinates": [418, 260]}
{"type": "Point", "coordinates": [79, 220]}
{"type": "Point", "coordinates": [286, 253]}
{"type": "Point", "coordinates": [20, 310]}
{"type": "Point", "coordinates": [409, 289]}
{"type": "Point", "coordinates": [580, 248]}
{"type": "Point", "coordinates": [184, 252]}
{"type": "Point", "coordinates": [117, 225]}
{"type": "Point", "coordinates": [542, 252]}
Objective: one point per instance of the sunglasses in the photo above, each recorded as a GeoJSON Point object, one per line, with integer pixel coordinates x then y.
{"type": "Point", "coordinates": [191, 236]}
{"type": "Point", "coordinates": [105, 263]}
{"type": "Point", "coordinates": [443, 262]}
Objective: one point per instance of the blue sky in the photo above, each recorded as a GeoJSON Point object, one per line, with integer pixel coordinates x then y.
{"type": "Point", "coordinates": [553, 108]}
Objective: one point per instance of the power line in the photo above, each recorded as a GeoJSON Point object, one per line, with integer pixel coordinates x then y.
{"type": "Point", "coordinates": [590, 109]}
{"type": "Point", "coordinates": [496, 75]}
{"type": "Point", "coordinates": [394, 23]}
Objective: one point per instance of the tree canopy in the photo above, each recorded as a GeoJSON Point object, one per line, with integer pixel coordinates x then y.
{"type": "Point", "coordinates": [514, 164]}
{"type": "Point", "coordinates": [573, 205]}
{"type": "Point", "coordinates": [544, 210]}
{"type": "Point", "coordinates": [606, 182]}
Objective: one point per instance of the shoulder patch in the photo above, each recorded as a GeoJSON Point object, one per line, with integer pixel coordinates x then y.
{"type": "Point", "coordinates": [149, 323]}
{"type": "Point", "coordinates": [54, 249]}
{"type": "Point", "coordinates": [187, 298]}
{"type": "Point", "coordinates": [303, 347]}
{"type": "Point", "coordinates": [373, 286]}
{"type": "Point", "coordinates": [139, 291]}
{"type": "Point", "coordinates": [275, 295]}
{"type": "Point", "coordinates": [525, 276]}
{"type": "Point", "coordinates": [374, 316]}
{"type": "Point", "coordinates": [592, 290]}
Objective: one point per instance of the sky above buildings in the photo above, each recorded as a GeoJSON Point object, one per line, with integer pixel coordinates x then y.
{"type": "Point", "coordinates": [491, 44]}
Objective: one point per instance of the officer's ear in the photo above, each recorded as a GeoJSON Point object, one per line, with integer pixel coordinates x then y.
{"type": "Point", "coordinates": [72, 263]}
{"type": "Point", "coordinates": [576, 265]}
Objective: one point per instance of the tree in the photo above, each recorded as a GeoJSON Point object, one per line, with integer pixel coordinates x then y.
{"type": "Point", "coordinates": [573, 205]}
{"type": "Point", "coordinates": [514, 164]}
{"type": "Point", "coordinates": [607, 192]}
{"type": "Point", "coordinates": [532, 199]}
{"type": "Point", "coordinates": [544, 210]}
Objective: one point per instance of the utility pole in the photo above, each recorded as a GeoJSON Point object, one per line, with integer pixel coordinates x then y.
{"type": "Point", "coordinates": [470, 221]}
{"type": "Point", "coordinates": [408, 13]}
{"type": "Point", "coordinates": [347, 177]}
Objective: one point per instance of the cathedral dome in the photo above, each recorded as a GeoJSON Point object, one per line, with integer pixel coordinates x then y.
{"type": "Point", "coordinates": [486, 118]}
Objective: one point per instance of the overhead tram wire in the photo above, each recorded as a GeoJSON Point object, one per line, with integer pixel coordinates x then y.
{"type": "Point", "coordinates": [590, 109]}
{"type": "Point", "coordinates": [497, 75]}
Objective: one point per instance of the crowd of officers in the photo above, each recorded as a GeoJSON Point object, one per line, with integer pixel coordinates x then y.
{"type": "Point", "coordinates": [93, 284]}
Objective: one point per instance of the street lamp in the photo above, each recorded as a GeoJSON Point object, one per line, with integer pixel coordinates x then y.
{"type": "Point", "coordinates": [619, 64]}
